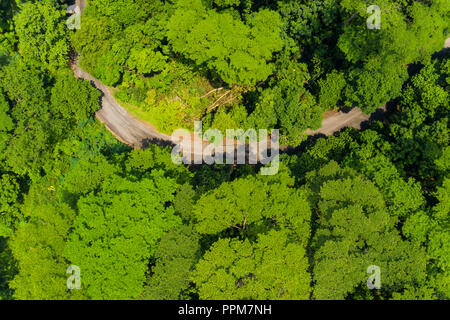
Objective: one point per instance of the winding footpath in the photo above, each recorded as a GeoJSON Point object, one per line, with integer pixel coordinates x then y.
{"type": "Point", "coordinates": [117, 120]}
{"type": "Point", "coordinates": [139, 134]}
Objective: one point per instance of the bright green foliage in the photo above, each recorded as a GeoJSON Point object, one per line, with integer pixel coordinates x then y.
{"type": "Point", "coordinates": [89, 142]}
{"type": "Point", "coordinates": [87, 174]}
{"type": "Point", "coordinates": [25, 89]}
{"type": "Point", "coordinates": [411, 293]}
{"type": "Point", "coordinates": [227, 3]}
{"type": "Point", "coordinates": [287, 106]}
{"type": "Point", "coordinates": [146, 60]}
{"type": "Point", "coordinates": [372, 87]}
{"type": "Point", "coordinates": [107, 70]}
{"type": "Point", "coordinates": [123, 12]}
{"type": "Point", "coordinates": [246, 204]}
{"type": "Point", "coordinates": [38, 243]}
{"type": "Point", "coordinates": [398, 37]}
{"type": "Point", "coordinates": [38, 246]}
{"type": "Point", "coordinates": [175, 259]}
{"type": "Point", "coordinates": [184, 202]}
{"type": "Point", "coordinates": [331, 90]}
{"type": "Point", "coordinates": [233, 204]}
{"type": "Point", "coordinates": [439, 240]}
{"type": "Point", "coordinates": [74, 99]}
{"type": "Point", "coordinates": [9, 204]}
{"type": "Point", "coordinates": [421, 131]}
{"type": "Point", "coordinates": [313, 24]}
{"type": "Point", "coordinates": [42, 34]}
{"type": "Point", "coordinates": [355, 232]}
{"type": "Point", "coordinates": [296, 110]}
{"type": "Point", "coordinates": [272, 268]}
{"type": "Point", "coordinates": [139, 162]}
{"type": "Point", "coordinates": [92, 41]}
{"type": "Point", "coordinates": [237, 52]}
{"type": "Point", "coordinates": [116, 231]}
{"type": "Point", "coordinates": [6, 122]}
{"type": "Point", "coordinates": [110, 43]}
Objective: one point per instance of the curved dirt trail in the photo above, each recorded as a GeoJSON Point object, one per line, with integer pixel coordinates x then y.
{"type": "Point", "coordinates": [126, 128]}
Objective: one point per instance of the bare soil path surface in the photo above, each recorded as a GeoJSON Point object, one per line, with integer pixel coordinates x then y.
{"type": "Point", "coordinates": [353, 118]}
{"type": "Point", "coordinates": [117, 120]}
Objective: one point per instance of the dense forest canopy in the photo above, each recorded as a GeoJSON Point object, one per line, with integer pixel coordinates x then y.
{"type": "Point", "coordinates": [141, 227]}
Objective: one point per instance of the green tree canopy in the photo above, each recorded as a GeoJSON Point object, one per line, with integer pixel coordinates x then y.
{"type": "Point", "coordinates": [238, 53]}
{"type": "Point", "coordinates": [274, 267]}
{"type": "Point", "coordinates": [116, 231]}
{"type": "Point", "coordinates": [42, 34]}
{"type": "Point", "coordinates": [354, 232]}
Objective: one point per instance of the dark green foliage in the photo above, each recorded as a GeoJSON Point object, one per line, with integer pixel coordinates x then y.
{"type": "Point", "coordinates": [271, 268]}
{"type": "Point", "coordinates": [39, 114]}
{"type": "Point", "coordinates": [7, 270]}
{"type": "Point", "coordinates": [175, 258]}
{"type": "Point", "coordinates": [355, 231]}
